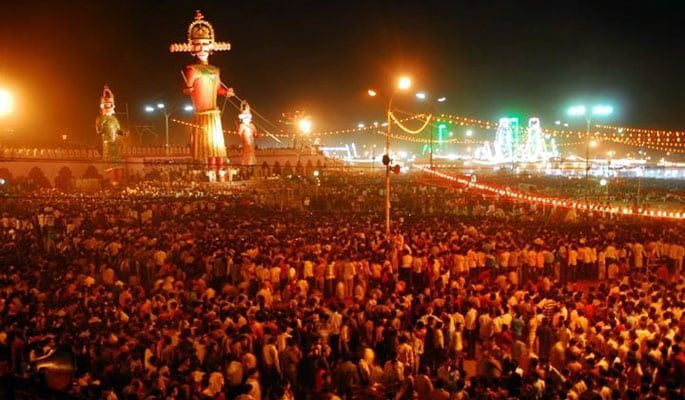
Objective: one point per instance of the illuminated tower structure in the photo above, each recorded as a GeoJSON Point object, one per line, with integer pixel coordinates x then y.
{"type": "Point", "coordinates": [511, 145]}
{"type": "Point", "coordinates": [442, 133]}
{"type": "Point", "coordinates": [505, 139]}
{"type": "Point", "coordinates": [552, 150]}
{"type": "Point", "coordinates": [534, 148]}
{"type": "Point", "coordinates": [516, 139]}
{"type": "Point", "coordinates": [437, 140]}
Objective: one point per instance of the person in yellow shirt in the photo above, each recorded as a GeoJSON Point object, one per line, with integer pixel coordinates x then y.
{"type": "Point", "coordinates": [573, 263]}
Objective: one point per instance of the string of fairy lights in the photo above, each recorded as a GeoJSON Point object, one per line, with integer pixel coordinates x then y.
{"type": "Point", "coordinates": [419, 140]}
{"type": "Point", "coordinates": [668, 141]}
{"type": "Point", "coordinates": [553, 201]}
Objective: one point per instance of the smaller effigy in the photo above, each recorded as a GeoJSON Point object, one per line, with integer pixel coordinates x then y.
{"type": "Point", "coordinates": [107, 125]}
{"type": "Point", "coordinates": [247, 132]}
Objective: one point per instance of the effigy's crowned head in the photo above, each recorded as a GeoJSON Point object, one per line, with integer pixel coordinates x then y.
{"type": "Point", "coordinates": [107, 101]}
{"type": "Point", "coordinates": [201, 41]}
{"type": "Point", "coordinates": [200, 29]}
{"type": "Point", "coordinates": [245, 115]}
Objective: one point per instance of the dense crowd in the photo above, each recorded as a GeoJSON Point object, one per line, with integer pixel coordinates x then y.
{"type": "Point", "coordinates": [255, 295]}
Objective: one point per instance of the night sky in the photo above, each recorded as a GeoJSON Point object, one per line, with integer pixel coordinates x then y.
{"type": "Point", "coordinates": [529, 58]}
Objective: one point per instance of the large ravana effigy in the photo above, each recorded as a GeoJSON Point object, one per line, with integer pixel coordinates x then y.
{"type": "Point", "coordinates": [203, 84]}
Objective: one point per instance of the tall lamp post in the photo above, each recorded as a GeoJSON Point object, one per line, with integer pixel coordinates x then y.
{"type": "Point", "coordinates": [582, 111]}
{"type": "Point", "coordinates": [404, 83]}
{"type": "Point", "coordinates": [167, 114]}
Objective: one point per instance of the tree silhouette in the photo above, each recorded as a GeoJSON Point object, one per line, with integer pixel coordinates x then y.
{"type": "Point", "coordinates": [92, 173]}
{"type": "Point", "coordinates": [37, 176]}
{"type": "Point", "coordinates": [65, 179]}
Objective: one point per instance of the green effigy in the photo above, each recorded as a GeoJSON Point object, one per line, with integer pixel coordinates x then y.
{"type": "Point", "coordinates": [107, 125]}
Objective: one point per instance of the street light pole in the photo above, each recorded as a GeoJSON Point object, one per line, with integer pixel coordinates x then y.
{"type": "Point", "coordinates": [639, 175]}
{"type": "Point", "coordinates": [431, 155]}
{"type": "Point", "coordinates": [166, 131]}
{"type": "Point", "coordinates": [387, 168]}
{"type": "Point", "coordinates": [587, 159]}
{"type": "Point", "coordinates": [168, 112]}
{"type": "Point", "coordinates": [403, 84]}
{"type": "Point", "coordinates": [581, 110]}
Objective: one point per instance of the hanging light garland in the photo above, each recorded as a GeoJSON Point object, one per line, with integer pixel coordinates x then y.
{"type": "Point", "coordinates": [655, 132]}
{"type": "Point", "coordinates": [196, 126]}
{"type": "Point", "coordinates": [414, 139]}
{"type": "Point", "coordinates": [556, 202]}
{"type": "Point", "coordinates": [411, 131]}
{"type": "Point", "coordinates": [570, 144]}
{"type": "Point", "coordinates": [660, 140]}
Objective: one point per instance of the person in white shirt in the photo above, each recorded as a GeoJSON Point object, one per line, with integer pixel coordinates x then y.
{"type": "Point", "coordinates": [470, 332]}
{"type": "Point", "coordinates": [271, 359]}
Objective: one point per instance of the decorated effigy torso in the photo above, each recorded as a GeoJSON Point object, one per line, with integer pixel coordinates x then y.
{"type": "Point", "coordinates": [205, 81]}
{"type": "Point", "coordinates": [108, 126]}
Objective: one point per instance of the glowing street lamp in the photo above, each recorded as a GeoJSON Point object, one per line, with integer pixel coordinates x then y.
{"type": "Point", "coordinates": [602, 110]}
{"type": "Point", "coordinates": [6, 102]}
{"type": "Point", "coordinates": [469, 133]}
{"type": "Point", "coordinates": [305, 126]}
{"type": "Point", "coordinates": [371, 92]}
{"type": "Point", "coordinates": [404, 83]}
{"type": "Point", "coordinates": [577, 111]}
{"type": "Point", "coordinates": [421, 95]}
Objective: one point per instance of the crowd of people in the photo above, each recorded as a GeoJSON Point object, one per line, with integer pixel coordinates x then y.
{"type": "Point", "coordinates": [244, 295]}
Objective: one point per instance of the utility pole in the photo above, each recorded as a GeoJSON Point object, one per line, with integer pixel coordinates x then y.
{"type": "Point", "coordinates": [431, 154]}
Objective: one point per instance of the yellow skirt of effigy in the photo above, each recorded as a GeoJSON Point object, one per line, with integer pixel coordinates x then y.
{"type": "Point", "coordinates": [207, 141]}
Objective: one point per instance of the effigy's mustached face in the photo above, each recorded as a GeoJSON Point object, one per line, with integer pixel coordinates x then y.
{"type": "Point", "coordinates": [201, 49]}
{"type": "Point", "coordinates": [107, 108]}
